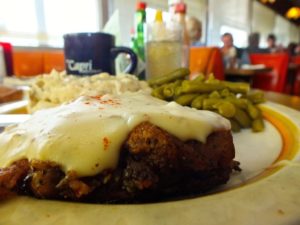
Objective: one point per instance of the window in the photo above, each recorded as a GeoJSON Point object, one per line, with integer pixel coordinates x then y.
{"type": "Point", "coordinates": [43, 22]}
{"type": "Point", "coordinates": [71, 16]}
{"type": "Point", "coordinates": [18, 24]}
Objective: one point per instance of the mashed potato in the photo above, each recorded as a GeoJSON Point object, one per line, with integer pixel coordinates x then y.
{"type": "Point", "coordinates": [56, 88]}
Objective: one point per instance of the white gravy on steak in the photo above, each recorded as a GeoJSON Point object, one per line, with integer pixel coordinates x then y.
{"type": "Point", "coordinates": [86, 135]}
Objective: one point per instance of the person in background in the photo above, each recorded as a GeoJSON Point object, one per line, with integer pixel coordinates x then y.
{"type": "Point", "coordinates": [194, 30]}
{"type": "Point", "coordinates": [291, 48]}
{"type": "Point", "coordinates": [253, 44]}
{"type": "Point", "coordinates": [297, 49]}
{"type": "Point", "coordinates": [229, 51]}
{"type": "Point", "coordinates": [272, 45]}
{"type": "Point", "coordinates": [253, 47]}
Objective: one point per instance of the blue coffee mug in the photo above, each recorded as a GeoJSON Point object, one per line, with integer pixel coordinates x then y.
{"type": "Point", "coordinates": [93, 53]}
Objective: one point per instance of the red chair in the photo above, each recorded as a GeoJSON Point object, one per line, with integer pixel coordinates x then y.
{"type": "Point", "coordinates": [206, 60]}
{"type": "Point", "coordinates": [54, 59]}
{"type": "Point", "coordinates": [7, 47]}
{"type": "Point", "coordinates": [275, 80]}
{"type": "Point", "coordinates": [28, 62]}
{"type": "Point", "coordinates": [296, 86]}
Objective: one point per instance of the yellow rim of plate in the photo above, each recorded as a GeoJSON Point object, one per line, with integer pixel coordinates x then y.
{"type": "Point", "coordinates": [289, 133]}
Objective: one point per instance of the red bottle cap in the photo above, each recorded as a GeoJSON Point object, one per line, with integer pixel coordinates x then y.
{"type": "Point", "coordinates": [180, 8]}
{"type": "Point", "coordinates": [141, 5]}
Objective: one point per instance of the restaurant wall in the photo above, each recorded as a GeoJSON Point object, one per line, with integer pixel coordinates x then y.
{"type": "Point", "coordinates": [231, 13]}
{"type": "Point", "coordinates": [282, 31]}
{"type": "Point", "coordinates": [266, 21]}
{"type": "Point", "coordinates": [286, 31]}
{"type": "Point", "coordinates": [294, 33]}
{"type": "Point", "coordinates": [263, 21]}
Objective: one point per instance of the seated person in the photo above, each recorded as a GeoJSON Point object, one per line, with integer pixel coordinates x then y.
{"type": "Point", "coordinates": [291, 48]}
{"type": "Point", "coordinates": [229, 51]}
{"type": "Point", "coordinates": [194, 30]}
{"type": "Point", "coordinates": [272, 45]}
{"type": "Point", "coordinates": [253, 44]}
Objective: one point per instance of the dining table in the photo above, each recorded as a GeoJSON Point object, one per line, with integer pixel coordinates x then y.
{"type": "Point", "coordinates": [291, 101]}
{"type": "Point", "coordinates": [245, 74]}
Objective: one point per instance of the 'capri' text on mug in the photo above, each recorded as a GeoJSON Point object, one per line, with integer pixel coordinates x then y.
{"type": "Point", "coordinates": [79, 66]}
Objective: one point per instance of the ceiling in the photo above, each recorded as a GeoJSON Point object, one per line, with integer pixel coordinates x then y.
{"type": "Point", "coordinates": [282, 6]}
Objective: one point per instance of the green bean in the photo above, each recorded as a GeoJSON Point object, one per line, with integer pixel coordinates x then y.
{"type": "Point", "coordinates": [222, 106]}
{"type": "Point", "coordinates": [188, 82]}
{"type": "Point", "coordinates": [169, 89]}
{"type": "Point", "coordinates": [226, 109]}
{"type": "Point", "coordinates": [231, 100]}
{"type": "Point", "coordinates": [185, 99]}
{"type": "Point", "coordinates": [211, 79]}
{"type": "Point", "coordinates": [211, 103]}
{"type": "Point", "coordinates": [225, 92]}
{"type": "Point", "coordinates": [189, 87]}
{"type": "Point", "coordinates": [258, 125]}
{"type": "Point", "coordinates": [180, 73]}
{"type": "Point", "coordinates": [214, 94]}
{"type": "Point", "coordinates": [235, 127]}
{"type": "Point", "coordinates": [242, 118]}
{"type": "Point", "coordinates": [253, 111]}
{"type": "Point", "coordinates": [199, 78]}
{"type": "Point", "coordinates": [256, 97]}
{"type": "Point", "coordinates": [197, 103]}
{"type": "Point", "coordinates": [158, 92]}
{"type": "Point", "coordinates": [237, 87]}
{"type": "Point", "coordinates": [239, 102]}
{"type": "Point", "coordinates": [178, 91]}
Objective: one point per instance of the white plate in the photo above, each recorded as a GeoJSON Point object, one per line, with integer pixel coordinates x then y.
{"type": "Point", "coordinates": [11, 106]}
{"type": "Point", "coordinates": [266, 192]}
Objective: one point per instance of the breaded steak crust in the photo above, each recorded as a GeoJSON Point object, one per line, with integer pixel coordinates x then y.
{"type": "Point", "coordinates": [153, 166]}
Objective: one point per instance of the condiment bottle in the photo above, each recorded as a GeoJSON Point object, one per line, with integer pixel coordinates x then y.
{"type": "Point", "coordinates": [140, 20]}
{"type": "Point", "coordinates": [180, 11]}
{"type": "Point", "coordinates": [133, 45]}
{"type": "Point", "coordinates": [172, 6]}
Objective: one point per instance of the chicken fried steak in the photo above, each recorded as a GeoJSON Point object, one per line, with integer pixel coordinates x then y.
{"type": "Point", "coordinates": [153, 165]}
{"type": "Point", "coordinates": [129, 148]}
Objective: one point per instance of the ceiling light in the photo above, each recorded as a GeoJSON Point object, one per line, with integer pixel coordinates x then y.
{"type": "Point", "coordinates": [293, 13]}
{"type": "Point", "coordinates": [268, 1]}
